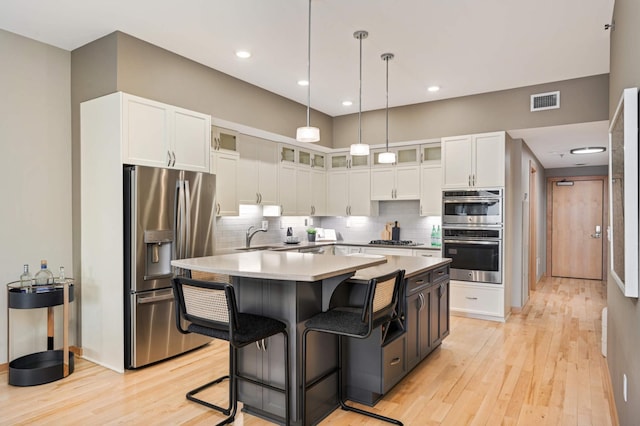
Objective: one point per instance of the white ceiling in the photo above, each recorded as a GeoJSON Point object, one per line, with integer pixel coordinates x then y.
{"type": "Point", "coordinates": [464, 46]}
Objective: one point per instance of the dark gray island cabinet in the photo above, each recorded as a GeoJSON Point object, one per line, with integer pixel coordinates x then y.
{"type": "Point", "coordinates": [293, 287]}
{"type": "Point", "coordinates": [376, 364]}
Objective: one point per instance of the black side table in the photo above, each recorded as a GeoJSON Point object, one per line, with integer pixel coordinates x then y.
{"type": "Point", "coordinates": [50, 365]}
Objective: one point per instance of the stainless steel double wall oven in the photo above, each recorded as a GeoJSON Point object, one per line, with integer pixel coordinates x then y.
{"type": "Point", "coordinates": [472, 225]}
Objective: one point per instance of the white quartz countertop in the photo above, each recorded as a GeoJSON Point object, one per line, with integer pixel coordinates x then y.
{"type": "Point", "coordinates": [411, 265]}
{"type": "Point", "coordinates": [279, 265]}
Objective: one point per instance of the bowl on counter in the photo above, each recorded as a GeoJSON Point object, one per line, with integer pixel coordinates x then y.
{"type": "Point", "coordinates": [292, 240]}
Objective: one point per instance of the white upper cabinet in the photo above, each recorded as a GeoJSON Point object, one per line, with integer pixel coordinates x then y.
{"type": "Point", "coordinates": [257, 171]}
{"type": "Point", "coordinates": [430, 180]}
{"type": "Point", "coordinates": [348, 193]}
{"type": "Point", "coordinates": [302, 186]}
{"type": "Point", "coordinates": [431, 190]}
{"type": "Point", "coordinates": [344, 160]}
{"type": "Point", "coordinates": [473, 161]}
{"type": "Point", "coordinates": [161, 135]}
{"type": "Point", "coordinates": [397, 181]}
{"type": "Point", "coordinates": [224, 140]}
{"type": "Point", "coordinates": [225, 166]}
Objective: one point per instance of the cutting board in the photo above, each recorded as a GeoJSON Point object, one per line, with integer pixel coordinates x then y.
{"type": "Point", "coordinates": [386, 233]}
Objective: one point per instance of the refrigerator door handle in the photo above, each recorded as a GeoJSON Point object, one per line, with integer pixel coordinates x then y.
{"type": "Point", "coordinates": [187, 219]}
{"type": "Point", "coordinates": [180, 220]}
{"type": "Point", "coordinates": [155, 299]}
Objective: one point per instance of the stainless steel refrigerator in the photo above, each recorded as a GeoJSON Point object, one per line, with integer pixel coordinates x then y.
{"type": "Point", "coordinates": [168, 214]}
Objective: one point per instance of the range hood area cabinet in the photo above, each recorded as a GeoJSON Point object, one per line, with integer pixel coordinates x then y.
{"type": "Point", "coordinates": [473, 161]}
{"type": "Point", "coordinates": [160, 135]}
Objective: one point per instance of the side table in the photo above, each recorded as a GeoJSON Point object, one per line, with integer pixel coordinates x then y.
{"type": "Point", "coordinates": [50, 365]}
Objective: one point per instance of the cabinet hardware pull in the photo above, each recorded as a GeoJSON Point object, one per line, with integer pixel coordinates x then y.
{"type": "Point", "coordinates": [173, 154]}
{"type": "Point", "coordinates": [168, 158]}
{"type": "Point", "coordinates": [258, 345]}
{"type": "Point", "coordinates": [217, 208]}
{"type": "Point", "coordinates": [257, 198]}
{"type": "Point", "coordinates": [264, 345]}
{"type": "Point", "coordinates": [395, 361]}
{"type": "Point", "coordinates": [471, 298]}
{"type": "Point", "coordinates": [420, 282]}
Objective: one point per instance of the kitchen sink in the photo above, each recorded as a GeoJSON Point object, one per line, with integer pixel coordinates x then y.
{"type": "Point", "coordinates": [256, 248]}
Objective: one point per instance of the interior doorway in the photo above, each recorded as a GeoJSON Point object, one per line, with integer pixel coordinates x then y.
{"type": "Point", "coordinates": [576, 220]}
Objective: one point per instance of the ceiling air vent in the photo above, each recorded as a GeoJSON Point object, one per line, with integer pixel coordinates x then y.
{"type": "Point", "coordinates": [542, 101]}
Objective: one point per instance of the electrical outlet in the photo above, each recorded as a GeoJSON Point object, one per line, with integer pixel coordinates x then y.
{"type": "Point", "coordinates": [624, 387]}
{"type": "Point", "coordinates": [265, 224]}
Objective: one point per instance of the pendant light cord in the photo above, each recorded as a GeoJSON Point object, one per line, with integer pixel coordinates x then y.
{"type": "Point", "coordinates": [386, 59]}
{"type": "Point", "coordinates": [309, 67]}
{"type": "Point", "coordinates": [360, 98]}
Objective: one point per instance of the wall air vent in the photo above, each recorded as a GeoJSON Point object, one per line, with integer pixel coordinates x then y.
{"type": "Point", "coordinates": [542, 101]}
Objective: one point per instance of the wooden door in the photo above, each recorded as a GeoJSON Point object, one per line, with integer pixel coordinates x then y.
{"type": "Point", "coordinates": [576, 228]}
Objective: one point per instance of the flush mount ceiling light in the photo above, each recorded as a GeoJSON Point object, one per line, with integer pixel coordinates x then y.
{"type": "Point", "coordinates": [588, 150]}
{"type": "Point", "coordinates": [243, 54]}
{"type": "Point", "coordinates": [387, 157]}
{"type": "Point", "coordinates": [433, 89]}
{"type": "Point", "coordinates": [347, 103]}
{"type": "Point", "coordinates": [360, 148]}
{"type": "Point", "coordinates": [308, 133]}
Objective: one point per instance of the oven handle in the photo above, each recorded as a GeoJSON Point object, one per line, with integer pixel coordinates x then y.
{"type": "Point", "coordinates": [476, 242]}
{"type": "Point", "coordinates": [465, 200]}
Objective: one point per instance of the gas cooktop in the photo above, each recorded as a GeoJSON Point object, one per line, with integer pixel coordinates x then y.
{"type": "Point", "coordinates": [394, 242]}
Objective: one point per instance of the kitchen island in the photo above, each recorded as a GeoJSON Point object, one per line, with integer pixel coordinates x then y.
{"type": "Point", "coordinates": [293, 287]}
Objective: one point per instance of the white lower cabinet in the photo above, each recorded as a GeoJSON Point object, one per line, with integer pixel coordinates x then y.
{"type": "Point", "coordinates": [486, 301]}
{"type": "Point", "coordinates": [427, 252]}
{"type": "Point", "coordinates": [387, 251]}
{"type": "Point", "coordinates": [225, 166]}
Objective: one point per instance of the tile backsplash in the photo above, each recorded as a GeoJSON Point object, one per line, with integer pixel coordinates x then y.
{"type": "Point", "coordinates": [231, 231]}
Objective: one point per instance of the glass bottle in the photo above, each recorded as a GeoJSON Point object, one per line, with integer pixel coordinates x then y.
{"type": "Point", "coordinates": [61, 276]}
{"type": "Point", "coordinates": [26, 279]}
{"type": "Point", "coordinates": [438, 237]}
{"type": "Point", "coordinates": [44, 276]}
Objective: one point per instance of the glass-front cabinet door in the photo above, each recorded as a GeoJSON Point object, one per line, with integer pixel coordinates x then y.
{"type": "Point", "coordinates": [223, 139]}
{"type": "Point", "coordinates": [287, 154]}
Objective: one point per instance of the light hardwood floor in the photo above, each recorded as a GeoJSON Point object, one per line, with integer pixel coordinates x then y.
{"type": "Point", "coordinates": [544, 366]}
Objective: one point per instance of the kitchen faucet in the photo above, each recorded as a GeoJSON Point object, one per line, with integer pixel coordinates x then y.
{"type": "Point", "coordinates": [249, 234]}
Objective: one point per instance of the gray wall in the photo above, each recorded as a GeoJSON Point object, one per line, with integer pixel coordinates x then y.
{"type": "Point", "coordinates": [582, 100]}
{"type": "Point", "coordinates": [35, 176]}
{"type": "Point", "coordinates": [623, 339]}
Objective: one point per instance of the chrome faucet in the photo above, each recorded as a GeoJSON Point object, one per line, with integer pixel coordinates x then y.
{"type": "Point", "coordinates": [249, 234]}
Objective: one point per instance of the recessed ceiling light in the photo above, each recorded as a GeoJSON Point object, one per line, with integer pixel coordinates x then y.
{"type": "Point", "coordinates": [433, 89]}
{"type": "Point", "coordinates": [303, 83]}
{"type": "Point", "coordinates": [347, 103]}
{"type": "Point", "coordinates": [243, 54]}
{"type": "Point", "coordinates": [588, 150]}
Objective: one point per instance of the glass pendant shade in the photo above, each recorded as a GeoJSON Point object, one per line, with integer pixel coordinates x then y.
{"type": "Point", "coordinates": [387, 157]}
{"type": "Point", "coordinates": [308, 134]}
{"type": "Point", "coordinates": [359, 149]}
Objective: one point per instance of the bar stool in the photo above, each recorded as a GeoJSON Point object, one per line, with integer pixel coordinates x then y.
{"type": "Point", "coordinates": [211, 309]}
{"type": "Point", "coordinates": [380, 307]}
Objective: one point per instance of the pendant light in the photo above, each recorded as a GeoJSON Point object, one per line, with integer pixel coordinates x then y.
{"type": "Point", "coordinates": [308, 133]}
{"type": "Point", "coordinates": [387, 157]}
{"type": "Point", "coordinates": [360, 148]}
